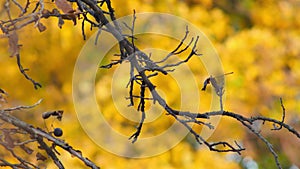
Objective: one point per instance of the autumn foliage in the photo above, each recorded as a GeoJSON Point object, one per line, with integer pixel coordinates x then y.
{"type": "Point", "coordinates": [257, 40]}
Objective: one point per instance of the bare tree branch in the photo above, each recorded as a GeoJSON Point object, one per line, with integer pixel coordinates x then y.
{"type": "Point", "coordinates": [141, 65]}
{"type": "Point", "coordinates": [39, 135]}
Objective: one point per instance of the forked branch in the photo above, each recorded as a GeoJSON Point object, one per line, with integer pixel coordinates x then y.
{"type": "Point", "coordinates": [35, 136]}
{"type": "Point", "coordinates": [142, 68]}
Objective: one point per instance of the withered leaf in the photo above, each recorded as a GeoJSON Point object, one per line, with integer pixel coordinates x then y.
{"type": "Point", "coordinates": [63, 5]}
{"type": "Point", "coordinates": [8, 140]}
{"type": "Point", "coordinates": [46, 13]}
{"type": "Point", "coordinates": [41, 27]}
{"type": "Point", "coordinates": [70, 16]}
{"type": "Point", "coordinates": [13, 44]}
{"type": "Point", "coordinates": [212, 80]}
{"type": "Point", "coordinates": [60, 19]}
{"type": "Point", "coordinates": [57, 113]}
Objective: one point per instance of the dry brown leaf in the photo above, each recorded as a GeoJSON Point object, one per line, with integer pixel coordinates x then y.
{"type": "Point", "coordinates": [13, 44]}
{"type": "Point", "coordinates": [46, 13]}
{"type": "Point", "coordinates": [41, 27]}
{"type": "Point", "coordinates": [57, 113]}
{"type": "Point", "coordinates": [63, 5]}
{"type": "Point", "coordinates": [70, 16]}
{"type": "Point", "coordinates": [8, 139]}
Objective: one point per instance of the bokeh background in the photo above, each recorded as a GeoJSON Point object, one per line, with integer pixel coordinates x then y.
{"type": "Point", "coordinates": [259, 40]}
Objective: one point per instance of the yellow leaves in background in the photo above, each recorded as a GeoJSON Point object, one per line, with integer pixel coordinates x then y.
{"type": "Point", "coordinates": [279, 15]}
{"type": "Point", "coordinates": [63, 5]}
{"type": "Point", "coordinates": [264, 57]}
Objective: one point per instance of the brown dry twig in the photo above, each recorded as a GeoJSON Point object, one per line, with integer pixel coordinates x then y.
{"type": "Point", "coordinates": [44, 140]}
{"type": "Point", "coordinates": [141, 65]}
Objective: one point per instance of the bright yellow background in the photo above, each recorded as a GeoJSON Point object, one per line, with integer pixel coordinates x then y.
{"type": "Point", "coordinates": [258, 40]}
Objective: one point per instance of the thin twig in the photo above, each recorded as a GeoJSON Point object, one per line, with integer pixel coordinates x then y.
{"type": "Point", "coordinates": [283, 117]}
{"type": "Point", "coordinates": [22, 107]}
{"type": "Point", "coordinates": [23, 71]}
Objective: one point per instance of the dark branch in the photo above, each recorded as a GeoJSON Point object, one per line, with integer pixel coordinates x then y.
{"type": "Point", "coordinates": [141, 108]}
{"type": "Point", "coordinates": [23, 71]}
{"type": "Point", "coordinates": [141, 65]}
{"type": "Point", "coordinates": [39, 134]}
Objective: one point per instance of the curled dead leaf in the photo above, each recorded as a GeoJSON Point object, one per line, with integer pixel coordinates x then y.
{"type": "Point", "coordinates": [9, 141]}
{"type": "Point", "coordinates": [57, 113]}
{"type": "Point", "coordinates": [13, 44]}
{"type": "Point", "coordinates": [64, 5]}
{"type": "Point", "coordinates": [67, 9]}
{"type": "Point", "coordinates": [41, 27]}
{"type": "Point", "coordinates": [46, 13]}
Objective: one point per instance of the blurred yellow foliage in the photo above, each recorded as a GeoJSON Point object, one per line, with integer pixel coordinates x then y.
{"type": "Point", "coordinates": [263, 54]}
